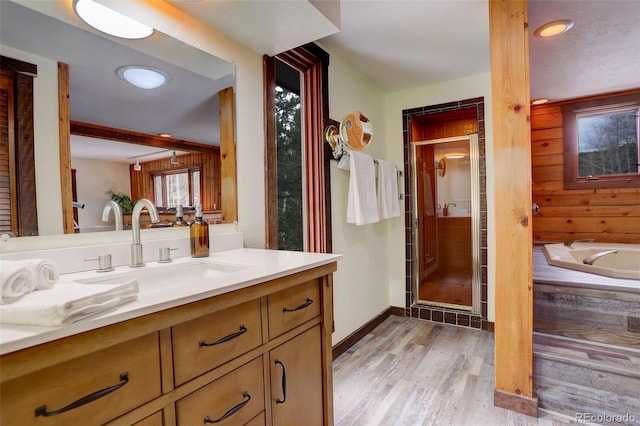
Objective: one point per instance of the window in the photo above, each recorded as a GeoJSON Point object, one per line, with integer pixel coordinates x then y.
{"type": "Point", "coordinates": [309, 226]}
{"type": "Point", "coordinates": [175, 187]}
{"type": "Point", "coordinates": [601, 140]}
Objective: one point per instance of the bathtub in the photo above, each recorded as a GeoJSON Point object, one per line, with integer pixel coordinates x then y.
{"type": "Point", "coordinates": [625, 263]}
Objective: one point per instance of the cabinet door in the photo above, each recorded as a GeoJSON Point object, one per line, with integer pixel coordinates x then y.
{"type": "Point", "coordinates": [296, 380]}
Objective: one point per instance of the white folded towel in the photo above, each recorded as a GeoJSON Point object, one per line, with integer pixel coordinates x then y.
{"type": "Point", "coordinates": [362, 205]}
{"type": "Point", "coordinates": [19, 277]}
{"type": "Point", "coordinates": [388, 200]}
{"type": "Point", "coordinates": [67, 303]}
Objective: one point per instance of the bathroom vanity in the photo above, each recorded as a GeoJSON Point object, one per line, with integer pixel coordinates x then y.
{"type": "Point", "coordinates": [250, 345]}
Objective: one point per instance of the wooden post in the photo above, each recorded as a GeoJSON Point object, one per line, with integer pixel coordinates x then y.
{"type": "Point", "coordinates": [512, 189]}
{"type": "Point", "coordinates": [228, 156]}
{"type": "Point", "coordinates": [65, 147]}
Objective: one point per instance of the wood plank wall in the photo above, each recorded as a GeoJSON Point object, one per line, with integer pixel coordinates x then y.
{"type": "Point", "coordinates": [607, 215]}
{"type": "Point", "coordinates": [141, 185]}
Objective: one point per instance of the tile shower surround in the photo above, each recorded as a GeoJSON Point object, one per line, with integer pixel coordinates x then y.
{"type": "Point", "coordinates": [424, 311]}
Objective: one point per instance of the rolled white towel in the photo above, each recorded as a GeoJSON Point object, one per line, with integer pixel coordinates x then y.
{"type": "Point", "coordinates": [20, 277]}
{"type": "Point", "coordinates": [16, 281]}
{"type": "Point", "coordinates": [67, 303]}
{"type": "Point", "coordinates": [45, 273]}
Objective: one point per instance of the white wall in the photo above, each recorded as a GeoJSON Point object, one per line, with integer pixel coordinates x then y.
{"type": "Point", "coordinates": [361, 285]}
{"type": "Point", "coordinates": [93, 179]}
{"type": "Point", "coordinates": [395, 103]}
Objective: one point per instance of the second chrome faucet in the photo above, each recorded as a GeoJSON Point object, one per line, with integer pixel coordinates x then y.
{"type": "Point", "coordinates": [136, 246]}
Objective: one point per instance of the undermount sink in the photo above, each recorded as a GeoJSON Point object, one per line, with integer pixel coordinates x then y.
{"type": "Point", "coordinates": [168, 273]}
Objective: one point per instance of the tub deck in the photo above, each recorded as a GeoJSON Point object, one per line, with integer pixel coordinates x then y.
{"type": "Point", "coordinates": [543, 273]}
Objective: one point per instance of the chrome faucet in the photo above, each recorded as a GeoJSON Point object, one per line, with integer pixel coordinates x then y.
{"type": "Point", "coordinates": [581, 240]}
{"type": "Point", "coordinates": [117, 213]}
{"type": "Point", "coordinates": [590, 259]}
{"type": "Point", "coordinates": [136, 247]}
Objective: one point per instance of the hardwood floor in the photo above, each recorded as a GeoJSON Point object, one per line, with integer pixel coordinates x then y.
{"type": "Point", "coordinates": [413, 372]}
{"type": "Point", "coordinates": [447, 286]}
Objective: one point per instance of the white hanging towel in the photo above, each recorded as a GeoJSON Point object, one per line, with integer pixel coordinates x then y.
{"type": "Point", "coordinates": [362, 206]}
{"type": "Point", "coordinates": [387, 190]}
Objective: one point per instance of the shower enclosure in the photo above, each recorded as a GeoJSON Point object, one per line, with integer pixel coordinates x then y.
{"type": "Point", "coordinates": [447, 222]}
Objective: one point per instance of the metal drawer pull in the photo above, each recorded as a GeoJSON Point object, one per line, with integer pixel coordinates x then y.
{"type": "Point", "coordinates": [284, 384]}
{"type": "Point", "coordinates": [232, 411]}
{"type": "Point", "coordinates": [42, 410]}
{"type": "Point", "coordinates": [304, 305]}
{"type": "Point", "coordinates": [224, 339]}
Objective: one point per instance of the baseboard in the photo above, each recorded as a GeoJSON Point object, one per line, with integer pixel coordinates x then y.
{"type": "Point", "coordinates": [518, 403]}
{"type": "Point", "coordinates": [342, 346]}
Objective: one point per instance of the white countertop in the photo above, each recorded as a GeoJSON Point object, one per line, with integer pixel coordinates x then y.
{"type": "Point", "coordinates": [258, 265]}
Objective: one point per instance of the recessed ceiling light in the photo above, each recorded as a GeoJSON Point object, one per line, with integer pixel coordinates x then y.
{"type": "Point", "coordinates": [539, 101]}
{"type": "Point", "coordinates": [554, 28]}
{"type": "Point", "coordinates": [142, 77]}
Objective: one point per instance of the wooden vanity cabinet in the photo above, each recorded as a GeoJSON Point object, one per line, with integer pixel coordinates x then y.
{"type": "Point", "coordinates": [254, 341]}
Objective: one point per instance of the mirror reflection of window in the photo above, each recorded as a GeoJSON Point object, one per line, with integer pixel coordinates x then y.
{"type": "Point", "coordinates": [176, 187]}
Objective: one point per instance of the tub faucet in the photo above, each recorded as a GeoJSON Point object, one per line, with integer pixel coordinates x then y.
{"type": "Point", "coordinates": [582, 240]}
{"type": "Point", "coordinates": [590, 259]}
{"type": "Point", "coordinates": [117, 213]}
{"type": "Point", "coordinates": [136, 247]}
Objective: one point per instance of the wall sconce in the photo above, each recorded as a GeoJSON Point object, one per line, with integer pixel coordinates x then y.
{"type": "Point", "coordinates": [441, 166]}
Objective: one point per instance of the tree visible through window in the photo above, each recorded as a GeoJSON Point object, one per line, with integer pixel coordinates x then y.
{"type": "Point", "coordinates": [601, 142]}
{"type": "Point", "coordinates": [608, 143]}
{"type": "Point", "coordinates": [289, 170]}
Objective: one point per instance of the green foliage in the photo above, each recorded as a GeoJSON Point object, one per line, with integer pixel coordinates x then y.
{"type": "Point", "coordinates": [289, 171]}
{"type": "Point", "coordinates": [125, 202]}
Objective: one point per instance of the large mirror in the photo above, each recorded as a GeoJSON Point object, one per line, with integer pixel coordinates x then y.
{"type": "Point", "coordinates": [106, 114]}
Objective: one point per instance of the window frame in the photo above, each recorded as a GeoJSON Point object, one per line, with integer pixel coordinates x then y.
{"type": "Point", "coordinates": [313, 63]}
{"type": "Point", "coordinates": [570, 113]}
{"type": "Point", "coordinates": [164, 173]}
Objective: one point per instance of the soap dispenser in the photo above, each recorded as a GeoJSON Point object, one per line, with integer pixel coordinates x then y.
{"type": "Point", "coordinates": [199, 233]}
{"type": "Point", "coordinates": [179, 217]}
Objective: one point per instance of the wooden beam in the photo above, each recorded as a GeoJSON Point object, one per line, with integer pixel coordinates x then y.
{"type": "Point", "coordinates": [130, 136]}
{"type": "Point", "coordinates": [228, 156]}
{"type": "Point", "coordinates": [64, 137]}
{"type": "Point", "coordinates": [512, 192]}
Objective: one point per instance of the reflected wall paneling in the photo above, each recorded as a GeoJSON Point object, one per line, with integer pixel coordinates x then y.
{"type": "Point", "coordinates": [142, 186]}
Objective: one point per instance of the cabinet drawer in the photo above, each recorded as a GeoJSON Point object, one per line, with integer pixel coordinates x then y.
{"type": "Point", "coordinates": [292, 307]}
{"type": "Point", "coordinates": [238, 395]}
{"type": "Point", "coordinates": [205, 343]}
{"type": "Point", "coordinates": [153, 420]}
{"type": "Point", "coordinates": [128, 375]}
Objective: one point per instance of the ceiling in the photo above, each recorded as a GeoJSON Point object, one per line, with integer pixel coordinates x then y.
{"type": "Point", "coordinates": [401, 44]}
{"type": "Point", "coordinates": [397, 44]}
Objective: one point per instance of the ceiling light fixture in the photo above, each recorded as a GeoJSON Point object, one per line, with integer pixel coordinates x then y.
{"type": "Point", "coordinates": [539, 101]}
{"type": "Point", "coordinates": [109, 21]}
{"type": "Point", "coordinates": [137, 167]}
{"type": "Point", "coordinates": [142, 77]}
{"type": "Point", "coordinates": [450, 156]}
{"type": "Point", "coordinates": [554, 28]}
{"type": "Point", "coordinates": [174, 158]}
{"type": "Point", "coordinates": [164, 135]}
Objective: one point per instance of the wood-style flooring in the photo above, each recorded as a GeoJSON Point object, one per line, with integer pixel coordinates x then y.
{"type": "Point", "coordinates": [413, 372]}
{"type": "Point", "coordinates": [447, 287]}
